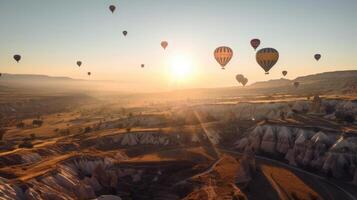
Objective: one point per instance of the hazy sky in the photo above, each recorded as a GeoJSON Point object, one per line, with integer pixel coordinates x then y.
{"type": "Point", "coordinates": [52, 35]}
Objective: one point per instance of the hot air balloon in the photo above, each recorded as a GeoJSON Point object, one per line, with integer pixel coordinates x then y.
{"type": "Point", "coordinates": [164, 44]}
{"type": "Point", "coordinates": [284, 72]}
{"type": "Point", "coordinates": [79, 63]}
{"type": "Point", "coordinates": [244, 81]}
{"type": "Point", "coordinates": [0, 74]}
{"type": "Point", "coordinates": [317, 57]}
{"type": "Point", "coordinates": [142, 65]}
{"type": "Point", "coordinates": [125, 33]}
{"type": "Point", "coordinates": [17, 57]}
{"type": "Point", "coordinates": [112, 8]}
{"type": "Point", "coordinates": [89, 73]}
{"type": "Point", "coordinates": [255, 43]}
{"type": "Point", "coordinates": [223, 55]}
{"type": "Point", "coordinates": [239, 78]}
{"type": "Point", "coordinates": [267, 58]}
{"type": "Point", "coordinates": [296, 84]}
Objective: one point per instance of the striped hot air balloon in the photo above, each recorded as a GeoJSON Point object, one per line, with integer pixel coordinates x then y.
{"type": "Point", "coordinates": [267, 58]}
{"type": "Point", "coordinates": [223, 55]}
{"type": "Point", "coordinates": [255, 43]}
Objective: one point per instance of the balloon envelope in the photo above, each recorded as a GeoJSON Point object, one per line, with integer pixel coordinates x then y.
{"type": "Point", "coordinates": [164, 44]}
{"type": "Point", "coordinates": [267, 58]}
{"type": "Point", "coordinates": [255, 43]}
{"type": "Point", "coordinates": [112, 8]}
{"type": "Point", "coordinates": [89, 73]}
{"type": "Point", "coordinates": [244, 81]}
{"type": "Point", "coordinates": [284, 73]}
{"type": "Point", "coordinates": [223, 55]}
{"type": "Point", "coordinates": [17, 57]}
{"type": "Point", "coordinates": [79, 63]}
{"type": "Point", "coordinates": [125, 33]}
{"type": "Point", "coordinates": [317, 56]}
{"type": "Point", "coordinates": [142, 65]}
{"type": "Point", "coordinates": [239, 78]}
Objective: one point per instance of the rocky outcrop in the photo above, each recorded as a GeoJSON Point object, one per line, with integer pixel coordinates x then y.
{"type": "Point", "coordinates": [335, 155]}
{"type": "Point", "coordinates": [9, 191]}
{"type": "Point", "coordinates": [278, 110]}
{"type": "Point", "coordinates": [131, 139]}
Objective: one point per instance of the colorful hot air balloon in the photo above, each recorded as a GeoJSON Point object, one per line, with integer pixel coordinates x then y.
{"type": "Point", "coordinates": [164, 44]}
{"type": "Point", "coordinates": [112, 8]}
{"type": "Point", "coordinates": [142, 65]}
{"type": "Point", "coordinates": [89, 73]}
{"type": "Point", "coordinates": [267, 58]}
{"type": "Point", "coordinates": [79, 63]}
{"type": "Point", "coordinates": [255, 43]}
{"type": "Point", "coordinates": [296, 84]}
{"type": "Point", "coordinates": [317, 57]}
{"type": "Point", "coordinates": [125, 33]}
{"type": "Point", "coordinates": [223, 55]}
{"type": "Point", "coordinates": [284, 73]}
{"type": "Point", "coordinates": [17, 57]}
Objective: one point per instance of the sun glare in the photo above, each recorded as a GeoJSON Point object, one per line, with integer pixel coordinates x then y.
{"type": "Point", "coordinates": [181, 68]}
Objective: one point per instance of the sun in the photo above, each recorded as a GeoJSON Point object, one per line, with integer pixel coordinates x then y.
{"type": "Point", "coordinates": [181, 68]}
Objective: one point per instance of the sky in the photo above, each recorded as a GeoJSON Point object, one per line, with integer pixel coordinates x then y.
{"type": "Point", "coordinates": [52, 35]}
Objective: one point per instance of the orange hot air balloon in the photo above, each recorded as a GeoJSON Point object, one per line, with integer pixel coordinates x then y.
{"type": "Point", "coordinates": [164, 44]}
{"type": "Point", "coordinates": [17, 58]}
{"type": "Point", "coordinates": [267, 58]}
{"type": "Point", "coordinates": [112, 8]}
{"type": "Point", "coordinates": [223, 55]}
{"type": "Point", "coordinates": [79, 63]}
{"type": "Point", "coordinates": [284, 72]}
{"type": "Point", "coordinates": [255, 43]}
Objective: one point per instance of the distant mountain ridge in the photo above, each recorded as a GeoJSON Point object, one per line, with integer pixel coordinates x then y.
{"type": "Point", "coordinates": [326, 82]}
{"type": "Point", "coordinates": [34, 77]}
